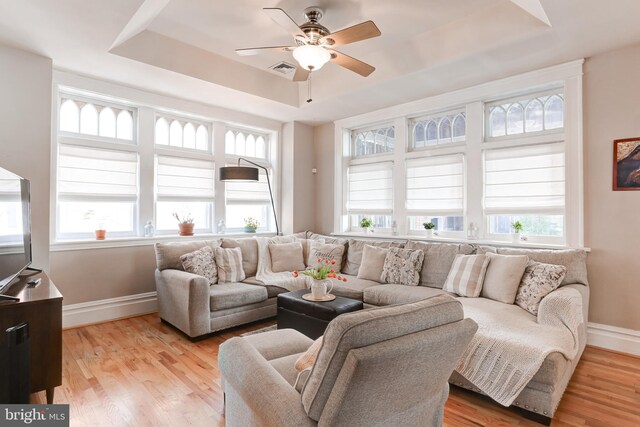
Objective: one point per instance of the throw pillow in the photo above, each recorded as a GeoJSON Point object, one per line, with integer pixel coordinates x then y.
{"type": "Point", "coordinates": [306, 244]}
{"type": "Point", "coordinates": [402, 266]}
{"type": "Point", "coordinates": [229, 263]}
{"type": "Point", "coordinates": [466, 275]}
{"type": "Point", "coordinates": [249, 248]}
{"type": "Point", "coordinates": [308, 358]}
{"type": "Point", "coordinates": [538, 281]}
{"type": "Point", "coordinates": [286, 257]}
{"type": "Point", "coordinates": [372, 263]}
{"type": "Point", "coordinates": [201, 262]}
{"type": "Point", "coordinates": [503, 277]}
{"type": "Point", "coordinates": [325, 251]}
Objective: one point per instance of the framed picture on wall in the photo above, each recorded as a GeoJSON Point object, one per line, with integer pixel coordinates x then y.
{"type": "Point", "coordinates": [626, 164]}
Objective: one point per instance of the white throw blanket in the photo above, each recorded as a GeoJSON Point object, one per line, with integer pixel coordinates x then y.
{"type": "Point", "coordinates": [508, 349]}
{"type": "Point", "coordinates": [283, 279]}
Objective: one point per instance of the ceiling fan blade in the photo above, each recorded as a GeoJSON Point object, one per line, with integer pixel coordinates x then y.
{"type": "Point", "coordinates": [301, 74]}
{"type": "Point", "coordinates": [281, 18]}
{"type": "Point", "coordinates": [352, 64]}
{"type": "Point", "coordinates": [356, 33]}
{"type": "Point", "coordinates": [257, 50]}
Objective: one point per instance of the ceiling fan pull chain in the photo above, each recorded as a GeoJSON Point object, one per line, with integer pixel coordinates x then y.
{"type": "Point", "coordinates": [309, 88]}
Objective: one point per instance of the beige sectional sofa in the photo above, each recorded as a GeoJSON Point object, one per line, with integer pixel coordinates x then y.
{"type": "Point", "coordinates": [192, 305]}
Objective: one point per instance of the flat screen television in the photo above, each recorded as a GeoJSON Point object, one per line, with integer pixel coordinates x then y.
{"type": "Point", "coordinates": [15, 227]}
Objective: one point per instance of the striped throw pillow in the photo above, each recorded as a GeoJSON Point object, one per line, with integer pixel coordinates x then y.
{"type": "Point", "coordinates": [229, 261]}
{"type": "Point", "coordinates": [467, 275]}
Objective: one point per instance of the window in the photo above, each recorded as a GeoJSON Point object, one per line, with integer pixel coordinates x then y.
{"type": "Point", "coordinates": [435, 192]}
{"type": "Point", "coordinates": [186, 187]}
{"type": "Point", "coordinates": [370, 194]}
{"type": "Point", "coordinates": [119, 165]}
{"type": "Point", "coordinates": [442, 129]}
{"type": "Point", "coordinates": [526, 183]}
{"type": "Point", "coordinates": [96, 188]}
{"type": "Point", "coordinates": [246, 144]}
{"type": "Point", "coordinates": [366, 142]}
{"type": "Point", "coordinates": [182, 133]}
{"type": "Point", "coordinates": [525, 116]}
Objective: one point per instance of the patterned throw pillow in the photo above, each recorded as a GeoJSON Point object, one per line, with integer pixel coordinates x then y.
{"type": "Point", "coordinates": [325, 251]}
{"type": "Point", "coordinates": [201, 262]}
{"type": "Point", "coordinates": [229, 261]}
{"type": "Point", "coordinates": [402, 266]}
{"type": "Point", "coordinates": [538, 281]}
{"type": "Point", "coordinates": [467, 275]}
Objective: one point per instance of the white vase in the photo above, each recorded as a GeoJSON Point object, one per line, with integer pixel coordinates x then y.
{"type": "Point", "coordinates": [515, 237]}
{"type": "Point", "coordinates": [319, 287]}
{"type": "Point", "coordinates": [429, 233]}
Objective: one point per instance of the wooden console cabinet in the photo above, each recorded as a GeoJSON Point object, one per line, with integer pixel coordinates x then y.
{"type": "Point", "coordinates": [41, 307]}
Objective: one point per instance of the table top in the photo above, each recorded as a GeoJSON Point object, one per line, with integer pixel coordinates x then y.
{"type": "Point", "coordinates": [46, 290]}
{"type": "Point", "coordinates": [321, 309]}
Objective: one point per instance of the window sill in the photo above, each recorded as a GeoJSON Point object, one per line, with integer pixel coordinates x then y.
{"type": "Point", "coordinates": [120, 242]}
{"type": "Point", "coordinates": [523, 244]}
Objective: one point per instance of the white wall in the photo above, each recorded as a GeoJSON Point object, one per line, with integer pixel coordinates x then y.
{"type": "Point", "coordinates": [323, 149]}
{"type": "Point", "coordinates": [25, 134]}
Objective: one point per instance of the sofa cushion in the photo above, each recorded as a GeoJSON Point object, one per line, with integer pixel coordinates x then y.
{"type": "Point", "coordinates": [168, 254]}
{"type": "Point", "coordinates": [438, 258]}
{"type": "Point", "coordinates": [322, 251]}
{"type": "Point", "coordinates": [467, 275]}
{"type": "Point", "coordinates": [537, 282]}
{"type": "Point", "coordinates": [398, 294]}
{"type": "Point", "coordinates": [272, 291]}
{"type": "Point", "coordinates": [231, 295]}
{"type": "Point", "coordinates": [402, 266]}
{"type": "Point", "coordinates": [249, 248]}
{"type": "Point", "coordinates": [306, 243]}
{"type": "Point", "coordinates": [574, 259]}
{"type": "Point", "coordinates": [503, 277]}
{"type": "Point", "coordinates": [354, 253]}
{"type": "Point", "coordinates": [201, 262]}
{"type": "Point", "coordinates": [372, 263]}
{"type": "Point", "coordinates": [286, 257]}
{"type": "Point", "coordinates": [229, 262]}
{"type": "Point", "coordinates": [353, 287]}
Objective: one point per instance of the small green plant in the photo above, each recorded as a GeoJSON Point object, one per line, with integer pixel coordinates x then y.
{"type": "Point", "coordinates": [184, 219]}
{"type": "Point", "coordinates": [251, 223]}
{"type": "Point", "coordinates": [517, 227]}
{"type": "Point", "coordinates": [428, 225]}
{"type": "Point", "coordinates": [366, 223]}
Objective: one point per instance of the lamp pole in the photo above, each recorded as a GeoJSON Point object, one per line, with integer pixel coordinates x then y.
{"type": "Point", "coordinates": [275, 216]}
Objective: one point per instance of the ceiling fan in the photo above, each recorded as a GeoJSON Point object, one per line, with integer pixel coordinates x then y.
{"type": "Point", "coordinates": [315, 43]}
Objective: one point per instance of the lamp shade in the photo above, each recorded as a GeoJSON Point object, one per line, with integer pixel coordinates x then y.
{"type": "Point", "coordinates": [311, 57]}
{"type": "Point", "coordinates": [239, 173]}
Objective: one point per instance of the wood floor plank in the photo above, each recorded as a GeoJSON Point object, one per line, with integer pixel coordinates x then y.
{"type": "Point", "coordinates": [142, 372]}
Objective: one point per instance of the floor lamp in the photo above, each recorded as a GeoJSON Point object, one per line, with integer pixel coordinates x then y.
{"type": "Point", "coordinates": [245, 173]}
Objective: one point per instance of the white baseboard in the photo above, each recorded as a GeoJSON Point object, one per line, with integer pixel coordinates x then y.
{"type": "Point", "coordinates": [86, 313]}
{"type": "Point", "coordinates": [613, 338]}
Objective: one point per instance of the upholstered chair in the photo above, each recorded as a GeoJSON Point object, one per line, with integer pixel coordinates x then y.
{"type": "Point", "coordinates": [383, 366]}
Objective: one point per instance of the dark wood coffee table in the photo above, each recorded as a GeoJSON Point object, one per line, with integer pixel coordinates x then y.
{"type": "Point", "coordinates": [311, 317]}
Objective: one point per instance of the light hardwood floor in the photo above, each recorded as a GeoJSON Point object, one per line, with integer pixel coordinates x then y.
{"type": "Point", "coordinates": [141, 372]}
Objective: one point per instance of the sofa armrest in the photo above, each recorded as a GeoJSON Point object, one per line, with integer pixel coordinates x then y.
{"type": "Point", "coordinates": [563, 308]}
{"type": "Point", "coordinates": [255, 390]}
{"type": "Point", "coordinates": [183, 301]}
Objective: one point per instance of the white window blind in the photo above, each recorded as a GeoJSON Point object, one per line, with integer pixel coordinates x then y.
{"type": "Point", "coordinates": [249, 192]}
{"type": "Point", "coordinates": [179, 178]}
{"type": "Point", "coordinates": [370, 188]}
{"type": "Point", "coordinates": [527, 179]}
{"type": "Point", "coordinates": [435, 185]}
{"type": "Point", "coordinates": [96, 174]}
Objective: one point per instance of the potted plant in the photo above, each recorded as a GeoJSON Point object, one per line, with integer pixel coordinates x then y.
{"type": "Point", "coordinates": [101, 232]}
{"type": "Point", "coordinates": [429, 227]}
{"type": "Point", "coordinates": [517, 230]}
{"type": "Point", "coordinates": [185, 224]}
{"type": "Point", "coordinates": [251, 225]}
{"type": "Point", "coordinates": [367, 225]}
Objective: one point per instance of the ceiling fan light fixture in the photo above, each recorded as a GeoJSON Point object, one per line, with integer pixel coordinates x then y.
{"type": "Point", "coordinates": [311, 57]}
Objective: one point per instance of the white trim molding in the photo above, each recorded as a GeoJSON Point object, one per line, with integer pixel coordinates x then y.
{"type": "Point", "coordinates": [86, 313]}
{"type": "Point", "coordinates": [613, 338]}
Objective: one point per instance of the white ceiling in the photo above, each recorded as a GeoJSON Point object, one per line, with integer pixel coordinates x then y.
{"type": "Point", "coordinates": [185, 48]}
